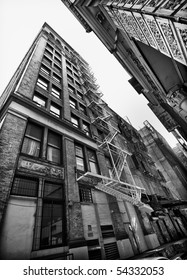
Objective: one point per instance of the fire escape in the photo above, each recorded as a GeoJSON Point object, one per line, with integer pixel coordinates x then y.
{"type": "Point", "coordinates": [113, 184]}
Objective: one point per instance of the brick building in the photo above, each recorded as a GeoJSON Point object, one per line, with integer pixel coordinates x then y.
{"type": "Point", "coordinates": [148, 38]}
{"type": "Point", "coordinates": [76, 179]}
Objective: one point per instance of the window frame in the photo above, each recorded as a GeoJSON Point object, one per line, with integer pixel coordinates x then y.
{"type": "Point", "coordinates": [55, 106]}
{"type": "Point", "coordinates": [42, 83]}
{"type": "Point", "coordinates": [57, 148]}
{"type": "Point", "coordinates": [18, 190]}
{"type": "Point", "coordinates": [34, 139]}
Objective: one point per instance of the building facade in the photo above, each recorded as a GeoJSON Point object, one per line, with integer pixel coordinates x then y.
{"type": "Point", "coordinates": [77, 181]}
{"type": "Point", "coordinates": [148, 38]}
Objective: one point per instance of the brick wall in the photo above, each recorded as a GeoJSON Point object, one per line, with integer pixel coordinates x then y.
{"type": "Point", "coordinates": [11, 136]}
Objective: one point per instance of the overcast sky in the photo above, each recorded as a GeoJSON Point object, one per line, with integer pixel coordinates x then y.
{"type": "Point", "coordinates": [20, 22]}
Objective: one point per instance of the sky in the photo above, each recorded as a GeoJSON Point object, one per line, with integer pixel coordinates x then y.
{"type": "Point", "coordinates": [20, 22]}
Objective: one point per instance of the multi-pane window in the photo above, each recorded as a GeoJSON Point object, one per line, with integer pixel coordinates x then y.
{"type": "Point", "coordinates": [57, 61]}
{"type": "Point", "coordinates": [80, 95]}
{"type": "Point", "coordinates": [32, 140]}
{"type": "Point", "coordinates": [57, 69]}
{"type": "Point", "coordinates": [25, 186]}
{"type": "Point", "coordinates": [55, 110]}
{"type": "Point", "coordinates": [45, 70]}
{"type": "Point", "coordinates": [54, 147]}
{"type": "Point", "coordinates": [78, 85]}
{"type": "Point", "coordinates": [39, 100]}
{"type": "Point", "coordinates": [70, 79]}
{"type": "Point", "coordinates": [82, 109]}
{"type": "Point", "coordinates": [76, 76]}
{"type": "Point", "coordinates": [92, 161]}
{"type": "Point", "coordinates": [68, 63]}
{"type": "Point", "coordinates": [55, 91]}
{"type": "Point", "coordinates": [86, 128]}
{"type": "Point", "coordinates": [69, 71]}
{"type": "Point", "coordinates": [43, 83]}
{"type": "Point", "coordinates": [47, 60]}
{"type": "Point", "coordinates": [73, 103]}
{"type": "Point", "coordinates": [79, 154]}
{"type": "Point", "coordinates": [56, 78]}
{"type": "Point", "coordinates": [75, 121]}
{"type": "Point", "coordinates": [48, 53]}
{"type": "Point", "coordinates": [52, 231]}
{"type": "Point", "coordinates": [75, 69]}
{"type": "Point", "coordinates": [71, 89]}
{"type": "Point", "coordinates": [58, 54]}
{"type": "Point", "coordinates": [85, 194]}
{"type": "Point", "coordinates": [49, 47]}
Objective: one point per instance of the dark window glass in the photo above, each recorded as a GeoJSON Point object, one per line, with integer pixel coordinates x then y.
{"type": "Point", "coordinates": [85, 194]}
{"type": "Point", "coordinates": [56, 78]}
{"type": "Point", "coordinates": [25, 186]}
{"type": "Point", "coordinates": [82, 109]}
{"type": "Point", "coordinates": [32, 140]}
{"type": "Point", "coordinates": [80, 95]}
{"type": "Point", "coordinates": [57, 69]}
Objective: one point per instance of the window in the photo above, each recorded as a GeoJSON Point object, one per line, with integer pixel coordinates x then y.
{"type": "Point", "coordinates": [73, 103]}
{"type": "Point", "coordinates": [54, 147]}
{"type": "Point", "coordinates": [109, 166]}
{"type": "Point", "coordinates": [52, 231]}
{"type": "Point", "coordinates": [25, 186]}
{"type": "Point", "coordinates": [41, 82]}
{"type": "Point", "coordinates": [75, 69]}
{"type": "Point", "coordinates": [82, 109]}
{"type": "Point", "coordinates": [68, 63]}
{"type": "Point", "coordinates": [66, 49]}
{"type": "Point", "coordinates": [70, 79]}
{"type": "Point", "coordinates": [80, 165]}
{"type": "Point", "coordinates": [58, 61]}
{"type": "Point", "coordinates": [49, 47]}
{"type": "Point", "coordinates": [76, 76]}
{"type": "Point", "coordinates": [46, 60]}
{"type": "Point", "coordinates": [85, 194]}
{"type": "Point", "coordinates": [75, 121]}
{"type": "Point", "coordinates": [55, 91]}
{"type": "Point", "coordinates": [71, 89]}
{"type": "Point", "coordinates": [56, 78]}
{"type": "Point", "coordinates": [107, 231]}
{"type": "Point", "coordinates": [39, 100]}
{"type": "Point", "coordinates": [45, 70]}
{"type": "Point", "coordinates": [57, 69]}
{"type": "Point", "coordinates": [55, 110]}
{"type": "Point", "coordinates": [86, 128]}
{"type": "Point", "coordinates": [69, 71]}
{"type": "Point", "coordinates": [92, 161]}
{"type": "Point", "coordinates": [48, 53]}
{"type": "Point", "coordinates": [58, 54]}
{"type": "Point", "coordinates": [80, 95]}
{"type": "Point", "coordinates": [78, 85]}
{"type": "Point", "coordinates": [32, 140]}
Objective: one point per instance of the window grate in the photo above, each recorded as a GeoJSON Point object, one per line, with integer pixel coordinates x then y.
{"type": "Point", "coordinates": [25, 186]}
{"type": "Point", "coordinates": [111, 251]}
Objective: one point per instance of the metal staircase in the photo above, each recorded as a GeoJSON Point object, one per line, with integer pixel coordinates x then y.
{"type": "Point", "coordinates": [114, 184]}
